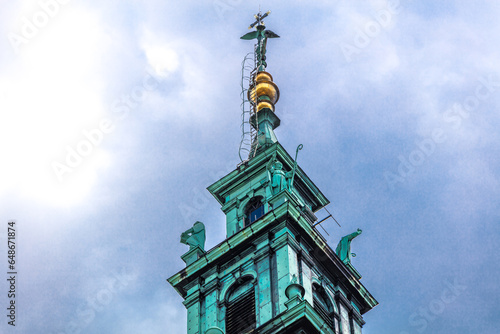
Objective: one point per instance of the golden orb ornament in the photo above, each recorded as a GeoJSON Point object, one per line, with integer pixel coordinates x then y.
{"type": "Point", "coordinates": [264, 93]}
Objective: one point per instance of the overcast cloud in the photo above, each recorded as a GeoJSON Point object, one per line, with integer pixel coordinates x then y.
{"type": "Point", "coordinates": [395, 102]}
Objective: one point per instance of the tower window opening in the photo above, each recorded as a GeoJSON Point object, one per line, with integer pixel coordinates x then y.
{"type": "Point", "coordinates": [323, 305]}
{"type": "Point", "coordinates": [254, 210]}
{"type": "Point", "coordinates": [240, 311]}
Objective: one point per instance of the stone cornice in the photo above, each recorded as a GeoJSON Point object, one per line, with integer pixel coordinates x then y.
{"type": "Point", "coordinates": [221, 251]}
{"type": "Point", "coordinates": [275, 220]}
{"type": "Point", "coordinates": [302, 312]}
{"type": "Point", "coordinates": [257, 165]}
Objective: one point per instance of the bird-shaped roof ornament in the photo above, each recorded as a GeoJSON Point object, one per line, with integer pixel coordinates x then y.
{"type": "Point", "coordinates": [261, 34]}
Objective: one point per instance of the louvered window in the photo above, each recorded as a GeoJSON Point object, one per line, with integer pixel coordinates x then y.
{"type": "Point", "coordinates": [322, 305]}
{"type": "Point", "coordinates": [323, 312]}
{"type": "Point", "coordinates": [240, 314]}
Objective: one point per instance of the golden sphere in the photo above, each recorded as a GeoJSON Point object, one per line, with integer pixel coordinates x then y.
{"type": "Point", "coordinates": [263, 76]}
{"type": "Point", "coordinates": [265, 104]}
{"type": "Point", "coordinates": [268, 88]}
{"type": "Point", "coordinates": [264, 90]}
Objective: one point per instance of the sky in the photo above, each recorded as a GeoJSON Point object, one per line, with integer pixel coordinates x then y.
{"type": "Point", "coordinates": [115, 116]}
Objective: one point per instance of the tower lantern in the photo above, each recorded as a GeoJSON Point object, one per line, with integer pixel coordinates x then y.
{"type": "Point", "coordinates": [274, 273]}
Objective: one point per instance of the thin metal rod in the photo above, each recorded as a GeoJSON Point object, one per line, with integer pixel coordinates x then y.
{"type": "Point", "coordinates": [322, 220]}
{"type": "Point", "coordinates": [324, 230]}
{"type": "Point", "coordinates": [332, 217]}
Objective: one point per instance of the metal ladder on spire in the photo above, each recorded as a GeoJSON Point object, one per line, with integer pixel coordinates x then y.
{"type": "Point", "coordinates": [249, 134]}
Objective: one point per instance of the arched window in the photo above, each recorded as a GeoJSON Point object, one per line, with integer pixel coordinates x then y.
{"type": "Point", "coordinates": [323, 305]}
{"type": "Point", "coordinates": [254, 210]}
{"type": "Point", "coordinates": [240, 309]}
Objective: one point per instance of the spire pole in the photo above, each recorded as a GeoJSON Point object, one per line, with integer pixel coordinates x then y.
{"type": "Point", "coordinates": [263, 93]}
{"type": "Point", "coordinates": [261, 34]}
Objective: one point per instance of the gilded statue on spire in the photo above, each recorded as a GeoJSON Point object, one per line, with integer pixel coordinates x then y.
{"type": "Point", "coordinates": [261, 35]}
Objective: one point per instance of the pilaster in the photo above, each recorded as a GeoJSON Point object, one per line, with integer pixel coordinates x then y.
{"type": "Point", "coordinates": [287, 266]}
{"type": "Point", "coordinates": [264, 288]}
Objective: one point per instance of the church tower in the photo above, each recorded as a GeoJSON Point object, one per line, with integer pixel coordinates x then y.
{"type": "Point", "coordinates": [274, 272]}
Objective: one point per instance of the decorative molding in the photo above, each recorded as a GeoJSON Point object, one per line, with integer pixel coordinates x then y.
{"type": "Point", "coordinates": [192, 284]}
{"type": "Point", "coordinates": [227, 286]}
{"type": "Point", "coordinates": [237, 278]}
{"type": "Point", "coordinates": [192, 299]}
{"type": "Point", "coordinates": [306, 258]}
{"type": "Point", "coordinates": [343, 299]}
{"type": "Point", "coordinates": [210, 286]}
{"type": "Point", "coordinates": [262, 253]}
{"type": "Point", "coordinates": [354, 314]}
{"type": "Point", "coordinates": [251, 273]}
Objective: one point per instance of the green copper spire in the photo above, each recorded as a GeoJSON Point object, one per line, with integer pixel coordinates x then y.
{"type": "Point", "coordinates": [274, 272]}
{"type": "Point", "coordinates": [261, 35]}
{"type": "Point", "coordinates": [262, 93]}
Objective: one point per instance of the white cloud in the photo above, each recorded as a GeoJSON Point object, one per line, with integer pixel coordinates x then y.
{"type": "Point", "coordinates": [354, 119]}
{"type": "Point", "coordinates": [51, 93]}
